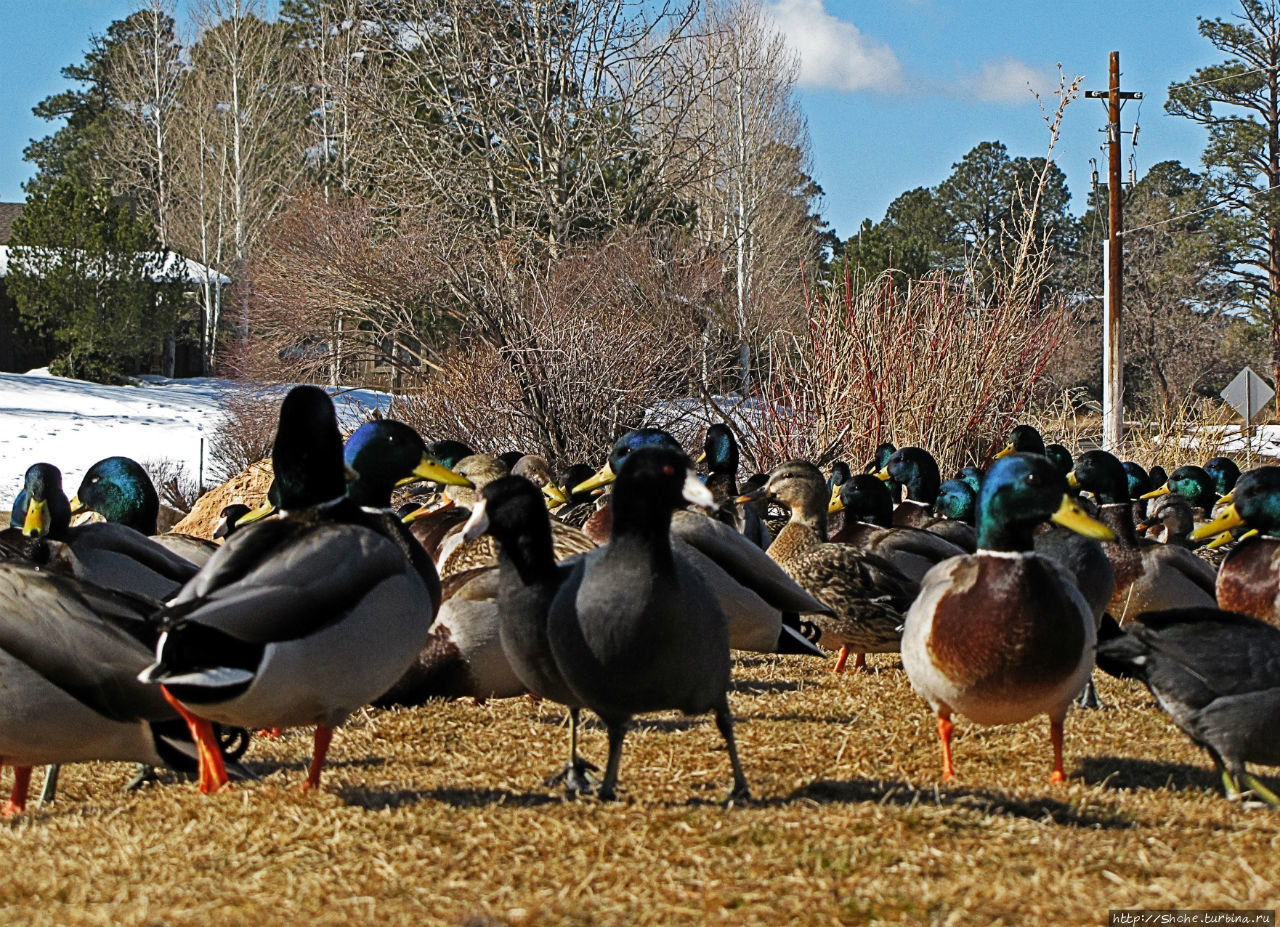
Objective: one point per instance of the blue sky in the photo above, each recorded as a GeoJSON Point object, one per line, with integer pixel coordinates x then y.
{"type": "Point", "coordinates": [895, 91]}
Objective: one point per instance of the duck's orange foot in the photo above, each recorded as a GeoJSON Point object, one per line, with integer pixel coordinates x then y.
{"type": "Point", "coordinates": [1056, 777]}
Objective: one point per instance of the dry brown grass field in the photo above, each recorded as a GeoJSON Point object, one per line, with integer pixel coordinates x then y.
{"type": "Point", "coordinates": [438, 815]}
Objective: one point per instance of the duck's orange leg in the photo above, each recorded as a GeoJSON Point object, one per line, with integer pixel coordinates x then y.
{"type": "Point", "coordinates": [1055, 735]}
{"type": "Point", "coordinates": [840, 660]}
{"type": "Point", "coordinates": [945, 727]}
{"type": "Point", "coordinates": [324, 735]}
{"type": "Point", "coordinates": [213, 772]}
{"type": "Point", "coordinates": [17, 802]}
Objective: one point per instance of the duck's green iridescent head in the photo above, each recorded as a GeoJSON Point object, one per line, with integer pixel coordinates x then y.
{"type": "Point", "coordinates": [633, 440]}
{"type": "Point", "coordinates": [1158, 476]}
{"type": "Point", "coordinates": [383, 453]}
{"type": "Point", "coordinates": [41, 509]}
{"type": "Point", "coordinates": [1022, 440]}
{"type": "Point", "coordinates": [1061, 458]}
{"type": "Point", "coordinates": [1193, 484]}
{"type": "Point", "coordinates": [1103, 475]}
{"type": "Point", "coordinates": [1020, 492]}
{"type": "Point", "coordinates": [1224, 472]}
{"type": "Point", "coordinates": [307, 453]}
{"type": "Point", "coordinates": [840, 473]}
{"type": "Point", "coordinates": [880, 458]}
{"type": "Point", "coordinates": [448, 452]}
{"type": "Point", "coordinates": [119, 490]}
{"type": "Point", "coordinates": [1139, 481]}
{"type": "Point", "coordinates": [956, 500]}
{"type": "Point", "coordinates": [864, 498]}
{"type": "Point", "coordinates": [916, 469]}
{"type": "Point", "coordinates": [721, 450]}
{"type": "Point", "coordinates": [972, 476]}
{"type": "Point", "coordinates": [1255, 503]}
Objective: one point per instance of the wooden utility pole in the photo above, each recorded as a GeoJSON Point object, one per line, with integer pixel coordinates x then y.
{"type": "Point", "coordinates": [1112, 346]}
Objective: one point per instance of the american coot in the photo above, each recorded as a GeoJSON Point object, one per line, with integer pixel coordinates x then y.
{"type": "Point", "coordinates": [1217, 674]}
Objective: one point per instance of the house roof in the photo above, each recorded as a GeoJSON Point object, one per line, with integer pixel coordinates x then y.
{"type": "Point", "coordinates": [8, 212]}
{"type": "Point", "coordinates": [174, 265]}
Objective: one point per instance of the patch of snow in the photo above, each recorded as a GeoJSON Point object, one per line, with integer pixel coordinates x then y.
{"type": "Point", "coordinates": [73, 424]}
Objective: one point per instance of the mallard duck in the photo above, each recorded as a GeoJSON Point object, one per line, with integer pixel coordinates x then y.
{"type": "Point", "coordinates": [1169, 520]}
{"type": "Point", "coordinates": [448, 452]}
{"type": "Point", "coordinates": [1194, 485]}
{"type": "Point", "coordinates": [634, 629]}
{"type": "Point", "coordinates": [1149, 576]}
{"type": "Point", "coordinates": [121, 491]}
{"type": "Point", "coordinates": [1224, 472]}
{"type": "Point", "coordinates": [1061, 458]}
{"type": "Point", "coordinates": [228, 518]}
{"type": "Point", "coordinates": [109, 555]}
{"type": "Point", "coordinates": [879, 459]}
{"type": "Point", "coordinates": [868, 526]}
{"type": "Point", "coordinates": [720, 452]}
{"type": "Point", "coordinates": [1024, 439]}
{"type": "Point", "coordinates": [915, 468]}
{"type": "Point", "coordinates": [867, 593]}
{"type": "Point", "coordinates": [1003, 635]}
{"type": "Point", "coordinates": [1158, 476]}
{"type": "Point", "coordinates": [957, 500]}
{"type": "Point", "coordinates": [1217, 674]}
{"type": "Point", "coordinates": [70, 653]}
{"type": "Point", "coordinates": [971, 477]}
{"type": "Point", "coordinates": [1139, 484]}
{"type": "Point", "coordinates": [302, 619]}
{"type": "Point", "coordinates": [1249, 578]}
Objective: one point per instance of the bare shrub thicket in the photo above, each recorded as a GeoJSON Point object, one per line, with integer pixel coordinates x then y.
{"type": "Point", "coordinates": [561, 360]}
{"type": "Point", "coordinates": [339, 290]}
{"type": "Point", "coordinates": [934, 366]}
{"type": "Point", "coordinates": [177, 488]}
{"type": "Point", "coordinates": [244, 433]}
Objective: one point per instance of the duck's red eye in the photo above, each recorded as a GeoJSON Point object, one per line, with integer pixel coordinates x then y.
{"type": "Point", "coordinates": [669, 470]}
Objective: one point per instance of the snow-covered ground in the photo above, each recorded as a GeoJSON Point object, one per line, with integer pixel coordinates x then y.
{"type": "Point", "coordinates": [73, 424]}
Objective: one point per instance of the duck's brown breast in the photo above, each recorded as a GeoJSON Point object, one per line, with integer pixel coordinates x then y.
{"type": "Point", "coordinates": [1249, 580]}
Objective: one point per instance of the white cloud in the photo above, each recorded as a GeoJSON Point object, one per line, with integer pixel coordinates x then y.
{"type": "Point", "coordinates": [834, 54]}
{"type": "Point", "coordinates": [1007, 81]}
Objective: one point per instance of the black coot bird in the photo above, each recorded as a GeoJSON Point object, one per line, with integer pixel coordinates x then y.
{"type": "Point", "coordinates": [635, 629]}
{"type": "Point", "coordinates": [1217, 675]}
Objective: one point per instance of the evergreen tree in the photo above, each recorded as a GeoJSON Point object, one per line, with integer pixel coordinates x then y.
{"type": "Point", "coordinates": [86, 272]}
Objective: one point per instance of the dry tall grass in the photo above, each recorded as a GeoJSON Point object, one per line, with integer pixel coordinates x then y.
{"type": "Point", "coordinates": [937, 366]}
{"type": "Point", "coordinates": [438, 815]}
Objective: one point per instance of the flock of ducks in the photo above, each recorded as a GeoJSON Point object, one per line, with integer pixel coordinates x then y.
{"type": "Point", "coordinates": [624, 591]}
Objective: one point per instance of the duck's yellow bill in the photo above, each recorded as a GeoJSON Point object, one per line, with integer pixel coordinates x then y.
{"type": "Point", "coordinates": [1070, 515]}
{"type": "Point", "coordinates": [701, 458]}
{"type": "Point", "coordinates": [1227, 499]}
{"type": "Point", "coordinates": [836, 504]}
{"type": "Point", "coordinates": [38, 519]}
{"type": "Point", "coordinates": [1005, 451]}
{"type": "Point", "coordinates": [76, 505]}
{"type": "Point", "coordinates": [261, 512]}
{"type": "Point", "coordinates": [882, 475]}
{"type": "Point", "coordinates": [1155, 493]}
{"type": "Point", "coordinates": [1229, 519]}
{"type": "Point", "coordinates": [555, 495]}
{"type": "Point", "coordinates": [1072, 480]}
{"type": "Point", "coordinates": [431, 469]}
{"type": "Point", "coordinates": [603, 477]}
{"type": "Point", "coordinates": [425, 510]}
{"type": "Point", "coordinates": [1221, 540]}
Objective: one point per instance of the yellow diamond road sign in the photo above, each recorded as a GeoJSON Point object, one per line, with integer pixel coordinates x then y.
{"type": "Point", "coordinates": [1248, 394]}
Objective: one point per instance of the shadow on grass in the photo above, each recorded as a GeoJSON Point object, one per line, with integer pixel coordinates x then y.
{"type": "Point", "coordinates": [263, 768]}
{"type": "Point", "coordinates": [1114, 772]}
{"type": "Point", "coordinates": [904, 795]}
{"type": "Point", "coordinates": [376, 799]}
{"type": "Point", "coordinates": [758, 686]}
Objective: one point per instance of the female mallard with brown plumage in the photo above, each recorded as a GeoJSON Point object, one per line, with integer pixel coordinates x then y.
{"type": "Point", "coordinates": [1003, 635]}
{"type": "Point", "coordinates": [867, 593]}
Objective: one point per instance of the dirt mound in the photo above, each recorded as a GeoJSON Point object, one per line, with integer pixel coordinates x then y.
{"type": "Point", "coordinates": [249, 486]}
